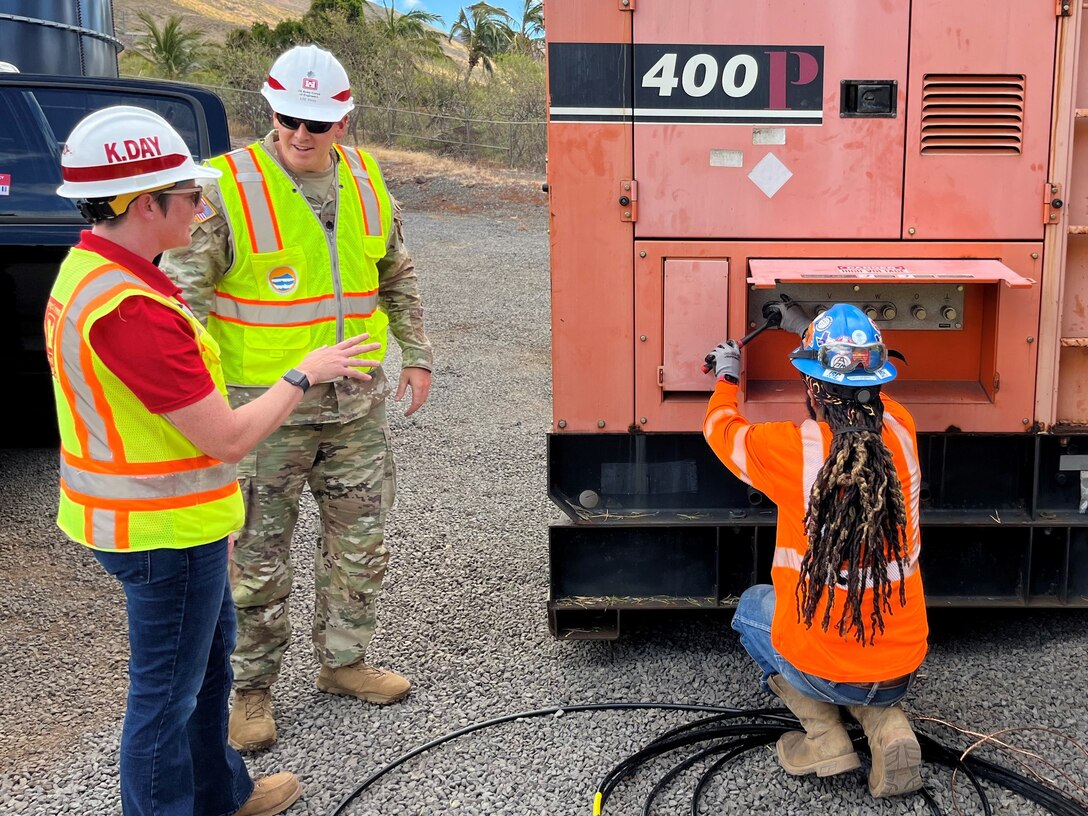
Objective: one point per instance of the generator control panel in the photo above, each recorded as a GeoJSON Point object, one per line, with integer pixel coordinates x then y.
{"type": "Point", "coordinates": [899, 306]}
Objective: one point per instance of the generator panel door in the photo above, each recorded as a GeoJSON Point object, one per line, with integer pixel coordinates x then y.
{"type": "Point", "coordinates": [696, 300]}
{"type": "Point", "coordinates": [769, 120]}
{"type": "Point", "coordinates": [981, 82]}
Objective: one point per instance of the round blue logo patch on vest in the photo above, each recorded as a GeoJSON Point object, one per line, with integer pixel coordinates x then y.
{"type": "Point", "coordinates": [283, 279]}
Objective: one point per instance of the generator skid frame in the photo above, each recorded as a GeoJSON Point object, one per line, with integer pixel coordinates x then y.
{"type": "Point", "coordinates": [922, 159]}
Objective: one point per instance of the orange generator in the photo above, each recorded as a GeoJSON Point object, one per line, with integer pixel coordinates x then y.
{"type": "Point", "coordinates": [917, 158]}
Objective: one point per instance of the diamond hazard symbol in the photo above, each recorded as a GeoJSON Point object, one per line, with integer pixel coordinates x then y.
{"type": "Point", "coordinates": [770, 174]}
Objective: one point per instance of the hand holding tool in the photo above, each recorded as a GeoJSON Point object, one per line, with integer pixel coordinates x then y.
{"type": "Point", "coordinates": [773, 318]}
{"type": "Point", "coordinates": [724, 360]}
{"type": "Point", "coordinates": [791, 316]}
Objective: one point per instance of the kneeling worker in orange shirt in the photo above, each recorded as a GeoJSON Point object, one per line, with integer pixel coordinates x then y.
{"type": "Point", "coordinates": [844, 623]}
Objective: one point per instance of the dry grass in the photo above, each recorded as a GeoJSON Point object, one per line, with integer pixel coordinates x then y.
{"type": "Point", "coordinates": [423, 182]}
{"type": "Point", "coordinates": [427, 165]}
{"type": "Point", "coordinates": [214, 17]}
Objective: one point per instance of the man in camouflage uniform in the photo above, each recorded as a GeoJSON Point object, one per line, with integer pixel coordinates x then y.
{"type": "Point", "coordinates": [337, 441]}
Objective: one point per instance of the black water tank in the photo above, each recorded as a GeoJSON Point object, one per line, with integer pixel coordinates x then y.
{"type": "Point", "coordinates": [74, 37]}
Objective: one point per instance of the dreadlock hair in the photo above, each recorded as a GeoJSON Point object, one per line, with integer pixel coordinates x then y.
{"type": "Point", "coordinates": [856, 519]}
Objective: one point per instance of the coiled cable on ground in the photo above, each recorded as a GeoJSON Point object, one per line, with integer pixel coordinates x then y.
{"type": "Point", "coordinates": [524, 715]}
{"type": "Point", "coordinates": [732, 732]}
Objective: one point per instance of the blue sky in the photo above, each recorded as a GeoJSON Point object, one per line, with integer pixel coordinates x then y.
{"type": "Point", "coordinates": [449, 9]}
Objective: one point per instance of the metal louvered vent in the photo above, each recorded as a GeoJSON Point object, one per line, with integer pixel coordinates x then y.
{"type": "Point", "coordinates": [972, 113]}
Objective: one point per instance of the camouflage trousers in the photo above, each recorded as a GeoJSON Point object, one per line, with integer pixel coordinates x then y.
{"type": "Point", "coordinates": [350, 471]}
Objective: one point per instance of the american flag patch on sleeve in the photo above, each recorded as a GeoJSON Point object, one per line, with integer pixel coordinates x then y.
{"type": "Point", "coordinates": [206, 211]}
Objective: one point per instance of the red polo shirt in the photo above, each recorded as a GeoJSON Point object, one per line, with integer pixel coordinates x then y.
{"type": "Point", "coordinates": [149, 347]}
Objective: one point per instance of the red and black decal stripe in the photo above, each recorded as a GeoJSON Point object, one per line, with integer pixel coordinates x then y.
{"type": "Point", "coordinates": [705, 84]}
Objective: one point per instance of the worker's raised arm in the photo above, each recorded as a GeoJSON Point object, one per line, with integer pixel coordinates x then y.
{"type": "Point", "coordinates": [229, 434]}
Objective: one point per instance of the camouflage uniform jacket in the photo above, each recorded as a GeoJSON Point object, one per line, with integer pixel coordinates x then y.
{"type": "Point", "coordinates": [199, 267]}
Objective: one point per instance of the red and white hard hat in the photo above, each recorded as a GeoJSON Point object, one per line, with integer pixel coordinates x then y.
{"type": "Point", "coordinates": [309, 83]}
{"type": "Point", "coordinates": [125, 149]}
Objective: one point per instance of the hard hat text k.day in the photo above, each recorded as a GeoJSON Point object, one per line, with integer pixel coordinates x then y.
{"type": "Point", "coordinates": [142, 148]}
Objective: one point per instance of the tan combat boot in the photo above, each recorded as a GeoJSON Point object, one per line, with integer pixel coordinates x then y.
{"type": "Point", "coordinates": [824, 748]}
{"type": "Point", "coordinates": [272, 795]}
{"type": "Point", "coordinates": [251, 727]}
{"type": "Point", "coordinates": [365, 682]}
{"type": "Point", "coordinates": [897, 756]}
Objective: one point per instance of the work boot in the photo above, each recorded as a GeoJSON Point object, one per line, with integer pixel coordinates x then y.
{"type": "Point", "coordinates": [824, 748]}
{"type": "Point", "coordinates": [897, 756]}
{"type": "Point", "coordinates": [365, 682]}
{"type": "Point", "coordinates": [272, 795]}
{"type": "Point", "coordinates": [251, 727]}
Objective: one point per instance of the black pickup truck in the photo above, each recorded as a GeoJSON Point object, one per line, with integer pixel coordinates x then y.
{"type": "Point", "coordinates": [37, 227]}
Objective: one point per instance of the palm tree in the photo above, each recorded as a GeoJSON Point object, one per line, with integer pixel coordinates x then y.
{"type": "Point", "coordinates": [260, 35]}
{"type": "Point", "coordinates": [353, 10]}
{"type": "Point", "coordinates": [173, 50]}
{"type": "Point", "coordinates": [485, 31]}
{"type": "Point", "coordinates": [414, 29]}
{"type": "Point", "coordinates": [528, 39]}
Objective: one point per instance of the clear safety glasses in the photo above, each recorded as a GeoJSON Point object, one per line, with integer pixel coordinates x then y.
{"type": "Point", "coordinates": [848, 357]}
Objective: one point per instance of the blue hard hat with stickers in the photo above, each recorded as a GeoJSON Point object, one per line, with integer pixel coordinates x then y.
{"type": "Point", "coordinates": [844, 346]}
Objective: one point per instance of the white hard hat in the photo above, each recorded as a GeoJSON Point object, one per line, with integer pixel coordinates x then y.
{"type": "Point", "coordinates": [309, 83]}
{"type": "Point", "coordinates": [125, 149]}
{"type": "Point", "coordinates": [8, 68]}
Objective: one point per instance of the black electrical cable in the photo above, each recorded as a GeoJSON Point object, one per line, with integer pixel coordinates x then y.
{"type": "Point", "coordinates": [782, 721]}
{"type": "Point", "coordinates": [658, 747]}
{"type": "Point", "coordinates": [1053, 800]}
{"type": "Point", "coordinates": [744, 737]}
{"type": "Point", "coordinates": [933, 751]}
{"type": "Point", "coordinates": [678, 769]}
{"type": "Point", "coordinates": [708, 774]}
{"type": "Point", "coordinates": [976, 768]}
{"type": "Point", "coordinates": [524, 715]}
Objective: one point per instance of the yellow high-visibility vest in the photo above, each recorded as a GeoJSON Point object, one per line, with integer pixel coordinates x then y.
{"type": "Point", "coordinates": [294, 286]}
{"type": "Point", "coordinates": [129, 480]}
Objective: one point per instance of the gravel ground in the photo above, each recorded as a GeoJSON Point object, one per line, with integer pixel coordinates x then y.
{"type": "Point", "coordinates": [463, 615]}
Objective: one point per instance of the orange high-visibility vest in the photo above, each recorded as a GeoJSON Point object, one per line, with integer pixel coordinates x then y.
{"type": "Point", "coordinates": [781, 460]}
{"type": "Point", "coordinates": [129, 480]}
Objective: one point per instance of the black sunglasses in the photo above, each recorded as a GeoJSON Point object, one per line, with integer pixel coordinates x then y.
{"type": "Point", "coordinates": [291, 123]}
{"type": "Point", "coordinates": [194, 194]}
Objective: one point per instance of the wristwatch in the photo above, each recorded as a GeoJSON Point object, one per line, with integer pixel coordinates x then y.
{"type": "Point", "coordinates": [296, 377]}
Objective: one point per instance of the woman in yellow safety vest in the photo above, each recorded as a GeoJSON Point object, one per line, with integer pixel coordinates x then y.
{"type": "Point", "coordinates": [148, 452]}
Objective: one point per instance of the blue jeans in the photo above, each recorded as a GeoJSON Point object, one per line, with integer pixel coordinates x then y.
{"type": "Point", "coordinates": [175, 760]}
{"type": "Point", "coordinates": [752, 621]}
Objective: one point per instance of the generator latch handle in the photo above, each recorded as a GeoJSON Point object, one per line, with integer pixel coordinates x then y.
{"type": "Point", "coordinates": [868, 99]}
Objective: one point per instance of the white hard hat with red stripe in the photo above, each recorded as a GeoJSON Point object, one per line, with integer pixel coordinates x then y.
{"type": "Point", "coordinates": [307, 82]}
{"type": "Point", "coordinates": [125, 149]}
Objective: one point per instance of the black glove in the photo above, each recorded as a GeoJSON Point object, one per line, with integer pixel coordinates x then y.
{"type": "Point", "coordinates": [793, 317]}
{"type": "Point", "coordinates": [724, 361]}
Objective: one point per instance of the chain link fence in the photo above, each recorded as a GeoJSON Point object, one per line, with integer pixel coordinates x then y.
{"type": "Point", "coordinates": [521, 145]}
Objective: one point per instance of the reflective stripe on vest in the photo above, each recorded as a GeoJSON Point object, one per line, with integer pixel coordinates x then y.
{"type": "Point", "coordinates": [812, 457]}
{"type": "Point", "coordinates": [293, 312]}
{"type": "Point", "coordinates": [911, 487]}
{"type": "Point", "coordinates": [264, 230]}
{"type": "Point", "coordinates": [372, 211]}
{"type": "Point", "coordinates": [787, 558]}
{"type": "Point", "coordinates": [141, 484]}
